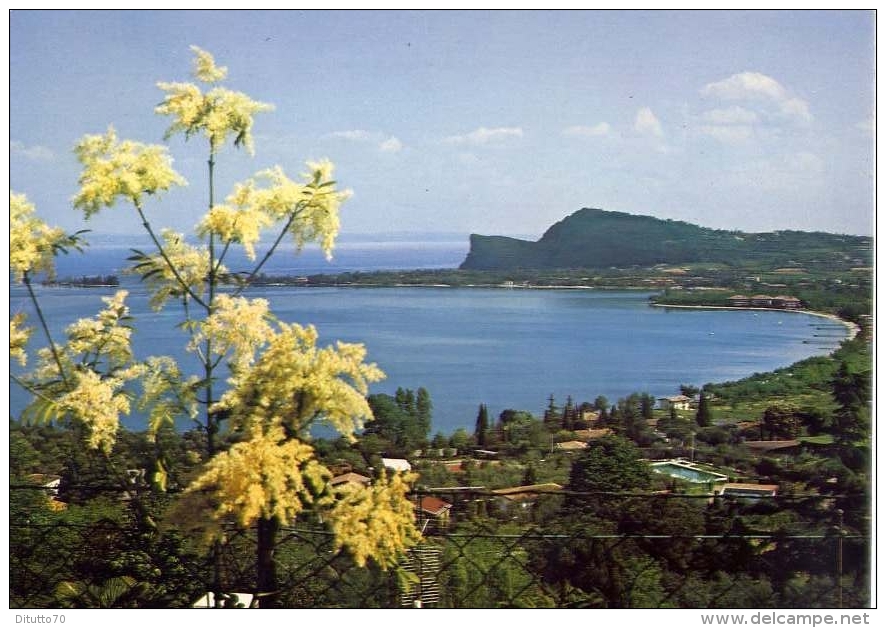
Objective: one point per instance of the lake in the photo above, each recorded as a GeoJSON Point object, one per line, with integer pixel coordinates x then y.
{"type": "Point", "coordinates": [507, 348]}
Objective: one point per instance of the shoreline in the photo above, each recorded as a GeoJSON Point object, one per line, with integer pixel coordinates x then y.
{"type": "Point", "coordinates": [852, 329]}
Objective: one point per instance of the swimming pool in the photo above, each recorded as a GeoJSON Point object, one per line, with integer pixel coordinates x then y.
{"type": "Point", "coordinates": [684, 471]}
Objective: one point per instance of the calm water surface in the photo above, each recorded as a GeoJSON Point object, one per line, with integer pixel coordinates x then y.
{"type": "Point", "coordinates": [505, 348]}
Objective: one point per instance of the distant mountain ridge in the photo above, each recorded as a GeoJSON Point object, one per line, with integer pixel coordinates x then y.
{"type": "Point", "coordinates": [595, 238]}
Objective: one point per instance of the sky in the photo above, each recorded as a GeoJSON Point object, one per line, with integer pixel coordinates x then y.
{"type": "Point", "coordinates": [492, 122]}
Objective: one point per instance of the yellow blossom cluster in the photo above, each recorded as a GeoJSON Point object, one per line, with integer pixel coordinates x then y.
{"type": "Point", "coordinates": [191, 264]}
{"type": "Point", "coordinates": [31, 241]}
{"type": "Point", "coordinates": [236, 222]}
{"type": "Point", "coordinates": [104, 339]}
{"type": "Point", "coordinates": [107, 335]}
{"type": "Point", "coordinates": [311, 208]}
{"type": "Point", "coordinates": [166, 393]}
{"type": "Point", "coordinates": [267, 476]}
{"type": "Point", "coordinates": [375, 521]}
{"type": "Point", "coordinates": [237, 326]}
{"type": "Point", "coordinates": [97, 403]}
{"type": "Point", "coordinates": [318, 216]}
{"type": "Point", "coordinates": [69, 378]}
{"type": "Point", "coordinates": [217, 113]}
{"type": "Point", "coordinates": [18, 338]}
{"type": "Point", "coordinates": [204, 67]}
{"type": "Point", "coordinates": [115, 169]}
{"type": "Point", "coordinates": [295, 382]}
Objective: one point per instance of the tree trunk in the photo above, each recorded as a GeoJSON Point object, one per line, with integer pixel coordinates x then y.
{"type": "Point", "coordinates": [266, 566]}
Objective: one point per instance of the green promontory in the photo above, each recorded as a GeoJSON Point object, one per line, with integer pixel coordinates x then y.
{"type": "Point", "coordinates": [594, 238]}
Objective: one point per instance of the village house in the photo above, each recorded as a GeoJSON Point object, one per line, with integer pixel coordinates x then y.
{"type": "Point", "coordinates": [524, 496]}
{"type": "Point", "coordinates": [350, 478]}
{"type": "Point", "coordinates": [787, 303]}
{"type": "Point", "coordinates": [677, 402]}
{"type": "Point", "coordinates": [396, 464]}
{"type": "Point", "coordinates": [432, 512]}
{"type": "Point", "coordinates": [50, 484]}
{"type": "Point", "coordinates": [590, 416]}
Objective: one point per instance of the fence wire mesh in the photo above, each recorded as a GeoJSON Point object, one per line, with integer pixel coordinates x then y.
{"type": "Point", "coordinates": [479, 549]}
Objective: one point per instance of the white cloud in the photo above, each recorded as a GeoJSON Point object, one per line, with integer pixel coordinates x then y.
{"type": "Point", "coordinates": [728, 134]}
{"type": "Point", "coordinates": [391, 145]}
{"type": "Point", "coordinates": [730, 115]}
{"type": "Point", "coordinates": [386, 145]}
{"type": "Point", "coordinates": [597, 130]}
{"type": "Point", "coordinates": [484, 136]}
{"type": "Point", "coordinates": [753, 86]}
{"type": "Point", "coordinates": [744, 86]}
{"type": "Point", "coordinates": [356, 135]}
{"type": "Point", "coordinates": [796, 108]}
{"type": "Point", "coordinates": [646, 123]}
{"type": "Point", "coordinates": [31, 153]}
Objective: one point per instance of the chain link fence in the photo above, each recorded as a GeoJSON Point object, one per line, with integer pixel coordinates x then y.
{"type": "Point", "coordinates": [480, 549]}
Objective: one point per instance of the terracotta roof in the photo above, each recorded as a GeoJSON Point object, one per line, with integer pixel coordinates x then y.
{"type": "Point", "coordinates": [433, 505]}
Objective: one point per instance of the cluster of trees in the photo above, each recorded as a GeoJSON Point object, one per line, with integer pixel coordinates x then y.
{"type": "Point", "coordinates": [402, 422]}
{"type": "Point", "coordinates": [671, 554]}
{"type": "Point", "coordinates": [85, 281]}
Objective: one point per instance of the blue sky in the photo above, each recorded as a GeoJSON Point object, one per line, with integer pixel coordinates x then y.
{"type": "Point", "coordinates": [489, 122]}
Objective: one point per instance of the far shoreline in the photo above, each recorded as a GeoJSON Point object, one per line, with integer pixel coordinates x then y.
{"type": "Point", "coordinates": [852, 328]}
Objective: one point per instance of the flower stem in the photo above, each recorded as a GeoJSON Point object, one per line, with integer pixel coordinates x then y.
{"type": "Point", "coordinates": [168, 261]}
{"type": "Point", "coordinates": [52, 346]}
{"type": "Point", "coordinates": [212, 426]}
{"type": "Point", "coordinates": [270, 251]}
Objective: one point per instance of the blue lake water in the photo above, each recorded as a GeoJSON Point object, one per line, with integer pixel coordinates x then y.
{"type": "Point", "coordinates": [507, 348]}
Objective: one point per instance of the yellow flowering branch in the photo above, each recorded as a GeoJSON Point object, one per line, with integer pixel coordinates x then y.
{"type": "Point", "coordinates": [252, 275]}
{"type": "Point", "coordinates": [26, 279]}
{"type": "Point", "coordinates": [168, 261]}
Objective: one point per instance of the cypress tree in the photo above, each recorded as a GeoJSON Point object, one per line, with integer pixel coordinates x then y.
{"type": "Point", "coordinates": [569, 413]}
{"type": "Point", "coordinates": [552, 415]}
{"type": "Point", "coordinates": [423, 408]}
{"type": "Point", "coordinates": [703, 416]}
{"type": "Point", "coordinates": [482, 426]}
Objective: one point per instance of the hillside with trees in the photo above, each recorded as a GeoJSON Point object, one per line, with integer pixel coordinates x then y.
{"type": "Point", "coordinates": [594, 238]}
